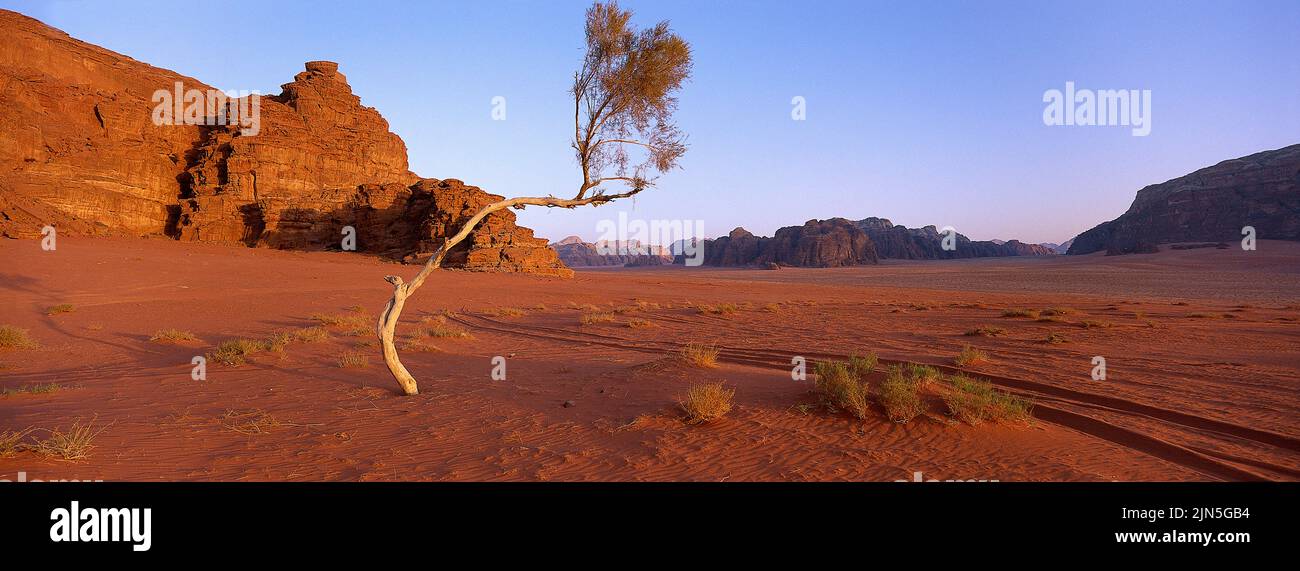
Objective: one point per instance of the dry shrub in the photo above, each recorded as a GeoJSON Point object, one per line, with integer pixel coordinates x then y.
{"type": "Point", "coordinates": [1094, 324]}
{"type": "Point", "coordinates": [34, 389]}
{"type": "Point", "coordinates": [640, 323]}
{"type": "Point", "coordinates": [863, 365]}
{"type": "Point", "coordinates": [706, 402]}
{"type": "Point", "coordinates": [840, 388]}
{"type": "Point", "coordinates": [921, 375]}
{"type": "Point", "coordinates": [235, 352]}
{"type": "Point", "coordinates": [1055, 339]}
{"type": "Point", "coordinates": [973, 401]}
{"type": "Point", "coordinates": [1032, 313]}
{"type": "Point", "coordinates": [970, 356]}
{"type": "Point", "coordinates": [341, 320]}
{"type": "Point", "coordinates": [1060, 311]}
{"type": "Point", "coordinates": [901, 397]}
{"type": "Point", "coordinates": [253, 421]}
{"type": "Point", "coordinates": [417, 346]}
{"type": "Point", "coordinates": [446, 332]}
{"type": "Point", "coordinates": [700, 355]}
{"type": "Point", "coordinates": [719, 309]}
{"type": "Point", "coordinates": [73, 444]}
{"type": "Point", "coordinates": [60, 308]}
{"type": "Point", "coordinates": [354, 360]}
{"type": "Point", "coordinates": [173, 336]}
{"type": "Point", "coordinates": [16, 338]}
{"type": "Point", "coordinates": [772, 307]}
{"type": "Point", "coordinates": [312, 334]}
{"type": "Point", "coordinates": [594, 318]}
{"type": "Point", "coordinates": [506, 312]}
{"type": "Point", "coordinates": [986, 331]}
{"type": "Point", "coordinates": [1203, 315]}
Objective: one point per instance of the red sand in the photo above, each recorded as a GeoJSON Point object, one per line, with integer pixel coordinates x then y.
{"type": "Point", "coordinates": [1186, 399]}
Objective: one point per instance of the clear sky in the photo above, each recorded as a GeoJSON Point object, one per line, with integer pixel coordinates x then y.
{"type": "Point", "coordinates": [921, 112]}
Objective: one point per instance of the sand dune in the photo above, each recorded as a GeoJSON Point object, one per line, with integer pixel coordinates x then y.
{"type": "Point", "coordinates": [1200, 347]}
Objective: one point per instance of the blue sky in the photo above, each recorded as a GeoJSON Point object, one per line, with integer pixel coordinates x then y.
{"type": "Point", "coordinates": [922, 112]}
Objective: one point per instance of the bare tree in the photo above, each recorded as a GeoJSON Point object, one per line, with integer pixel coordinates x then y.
{"type": "Point", "coordinates": [623, 135]}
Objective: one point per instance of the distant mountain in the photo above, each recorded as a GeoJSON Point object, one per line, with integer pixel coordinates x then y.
{"type": "Point", "coordinates": [1061, 248]}
{"type": "Point", "coordinates": [1212, 204]}
{"type": "Point", "coordinates": [903, 243]}
{"type": "Point", "coordinates": [576, 254]}
{"type": "Point", "coordinates": [832, 243]}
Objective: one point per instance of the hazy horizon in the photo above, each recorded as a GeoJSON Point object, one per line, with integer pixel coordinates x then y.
{"type": "Point", "coordinates": [921, 119]}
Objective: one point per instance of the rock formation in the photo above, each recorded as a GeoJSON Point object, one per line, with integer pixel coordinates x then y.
{"type": "Point", "coordinates": [818, 243]}
{"type": "Point", "coordinates": [903, 243]}
{"type": "Point", "coordinates": [82, 152]}
{"type": "Point", "coordinates": [1213, 204]}
{"type": "Point", "coordinates": [576, 253]}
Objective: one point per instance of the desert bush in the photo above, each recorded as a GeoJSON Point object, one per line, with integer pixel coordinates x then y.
{"type": "Point", "coordinates": [235, 352]}
{"type": "Point", "coordinates": [506, 312]}
{"type": "Point", "coordinates": [901, 398]}
{"type": "Point", "coordinates": [416, 345]}
{"type": "Point", "coordinates": [11, 442]}
{"type": "Point", "coordinates": [594, 318]}
{"type": "Point", "coordinates": [1094, 324]}
{"type": "Point", "coordinates": [719, 309]}
{"type": "Point", "coordinates": [341, 320]}
{"type": "Point", "coordinates": [706, 402]}
{"type": "Point", "coordinates": [772, 307]}
{"type": "Point", "coordinates": [640, 323]}
{"type": "Point", "coordinates": [1203, 315]}
{"type": "Point", "coordinates": [700, 355]}
{"type": "Point", "coordinates": [354, 360]}
{"type": "Point", "coordinates": [446, 332]}
{"type": "Point", "coordinates": [986, 331]}
{"type": "Point", "coordinates": [312, 334]}
{"type": "Point", "coordinates": [33, 389]}
{"type": "Point", "coordinates": [1055, 339]}
{"type": "Point", "coordinates": [970, 356]}
{"type": "Point", "coordinates": [863, 365]}
{"type": "Point", "coordinates": [1032, 313]}
{"type": "Point", "coordinates": [974, 401]}
{"type": "Point", "coordinates": [16, 338]}
{"type": "Point", "coordinates": [840, 388]}
{"type": "Point", "coordinates": [921, 375]}
{"type": "Point", "coordinates": [60, 308]}
{"type": "Point", "coordinates": [173, 336]}
{"type": "Point", "coordinates": [72, 444]}
{"type": "Point", "coordinates": [1060, 311]}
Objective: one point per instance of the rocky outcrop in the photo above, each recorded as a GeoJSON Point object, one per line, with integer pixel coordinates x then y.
{"type": "Point", "coordinates": [926, 243]}
{"type": "Point", "coordinates": [818, 244]}
{"type": "Point", "coordinates": [82, 151]}
{"type": "Point", "coordinates": [1213, 204]}
{"type": "Point", "coordinates": [576, 253]}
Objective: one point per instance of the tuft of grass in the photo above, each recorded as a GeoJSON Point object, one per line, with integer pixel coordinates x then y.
{"type": "Point", "coordinates": [700, 355]}
{"type": "Point", "coordinates": [73, 444]}
{"type": "Point", "coordinates": [16, 338]}
{"type": "Point", "coordinates": [986, 331]}
{"type": "Point", "coordinates": [970, 356]}
{"type": "Point", "coordinates": [356, 309]}
{"type": "Point", "coordinates": [1049, 319]}
{"type": "Point", "coordinates": [921, 375]}
{"type": "Point", "coordinates": [1094, 324]}
{"type": "Point", "coordinates": [252, 421]}
{"type": "Point", "coordinates": [1062, 311]}
{"type": "Point", "coordinates": [235, 352]}
{"type": "Point", "coordinates": [973, 401]}
{"type": "Point", "coordinates": [173, 336]}
{"type": "Point", "coordinates": [414, 346]}
{"type": "Point", "coordinates": [640, 323]}
{"type": "Point", "coordinates": [354, 360]}
{"type": "Point", "coordinates": [1203, 315]}
{"type": "Point", "coordinates": [11, 442]}
{"type": "Point", "coordinates": [901, 397]}
{"type": "Point", "coordinates": [706, 402]}
{"type": "Point", "coordinates": [772, 307]}
{"type": "Point", "coordinates": [594, 318]}
{"type": "Point", "coordinates": [506, 312]}
{"type": "Point", "coordinates": [446, 332]}
{"type": "Point", "coordinates": [34, 389]}
{"type": "Point", "coordinates": [312, 334]}
{"type": "Point", "coordinates": [840, 388]}
{"type": "Point", "coordinates": [1031, 313]}
{"type": "Point", "coordinates": [341, 320]}
{"type": "Point", "coordinates": [719, 309]}
{"type": "Point", "coordinates": [60, 308]}
{"type": "Point", "coordinates": [1055, 339]}
{"type": "Point", "coordinates": [863, 365]}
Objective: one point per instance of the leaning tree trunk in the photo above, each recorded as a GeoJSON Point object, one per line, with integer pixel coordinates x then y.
{"type": "Point", "coordinates": [386, 328]}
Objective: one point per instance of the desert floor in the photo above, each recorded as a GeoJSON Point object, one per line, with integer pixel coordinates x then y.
{"type": "Point", "coordinates": [1201, 348]}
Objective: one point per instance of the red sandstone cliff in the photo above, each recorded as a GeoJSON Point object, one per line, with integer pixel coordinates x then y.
{"type": "Point", "coordinates": [80, 150]}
